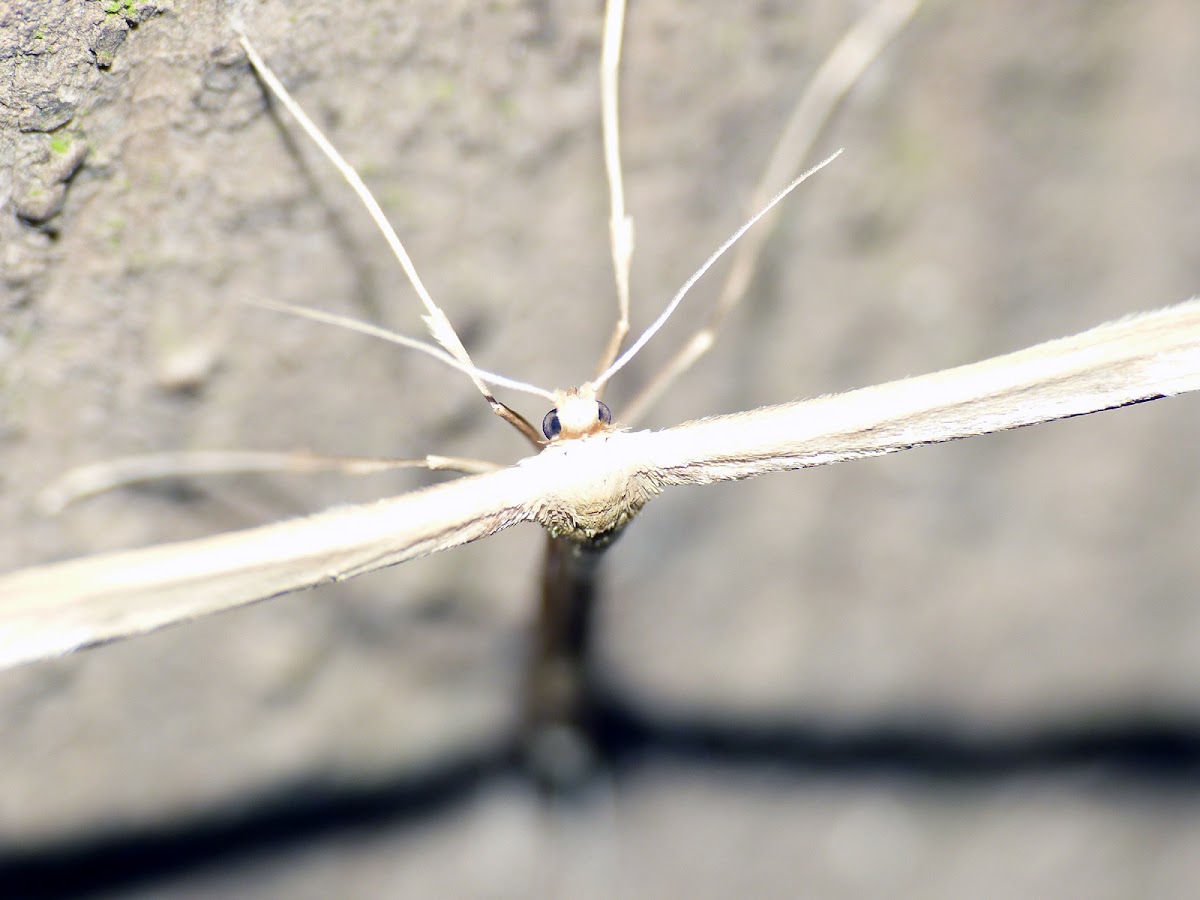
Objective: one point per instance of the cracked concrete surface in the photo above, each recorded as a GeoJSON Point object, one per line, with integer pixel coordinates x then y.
{"type": "Point", "coordinates": [1013, 172]}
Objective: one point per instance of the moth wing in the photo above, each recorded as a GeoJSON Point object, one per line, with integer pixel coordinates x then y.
{"type": "Point", "coordinates": [1139, 358]}
{"type": "Point", "coordinates": [54, 609]}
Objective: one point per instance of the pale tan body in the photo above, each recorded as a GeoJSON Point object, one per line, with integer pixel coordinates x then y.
{"type": "Point", "coordinates": [589, 487]}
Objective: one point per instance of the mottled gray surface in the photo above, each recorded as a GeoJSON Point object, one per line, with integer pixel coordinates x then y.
{"type": "Point", "coordinates": [1013, 171]}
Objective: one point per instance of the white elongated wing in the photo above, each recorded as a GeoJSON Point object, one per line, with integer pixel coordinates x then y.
{"type": "Point", "coordinates": [1138, 358]}
{"type": "Point", "coordinates": [595, 485]}
{"type": "Point", "coordinates": [54, 609]}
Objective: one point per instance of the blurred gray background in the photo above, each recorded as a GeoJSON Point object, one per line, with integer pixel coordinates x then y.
{"type": "Point", "coordinates": [971, 670]}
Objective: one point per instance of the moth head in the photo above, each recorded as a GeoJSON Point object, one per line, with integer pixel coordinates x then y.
{"type": "Point", "coordinates": [578, 413]}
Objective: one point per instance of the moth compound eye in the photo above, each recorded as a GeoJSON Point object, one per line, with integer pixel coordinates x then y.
{"type": "Point", "coordinates": [604, 415]}
{"type": "Point", "coordinates": [551, 427]}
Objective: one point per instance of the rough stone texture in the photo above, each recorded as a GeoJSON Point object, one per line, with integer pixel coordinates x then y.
{"type": "Point", "coordinates": [1013, 172]}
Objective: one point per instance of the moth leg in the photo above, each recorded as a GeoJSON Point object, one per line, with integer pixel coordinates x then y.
{"type": "Point", "coordinates": [97, 478]}
{"type": "Point", "coordinates": [840, 71]}
{"type": "Point", "coordinates": [435, 318]}
{"type": "Point", "coordinates": [620, 223]}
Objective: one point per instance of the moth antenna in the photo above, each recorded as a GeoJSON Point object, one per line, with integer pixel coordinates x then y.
{"type": "Point", "coordinates": [435, 319]}
{"type": "Point", "coordinates": [375, 331]}
{"type": "Point", "coordinates": [844, 67]}
{"type": "Point", "coordinates": [658, 323]}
